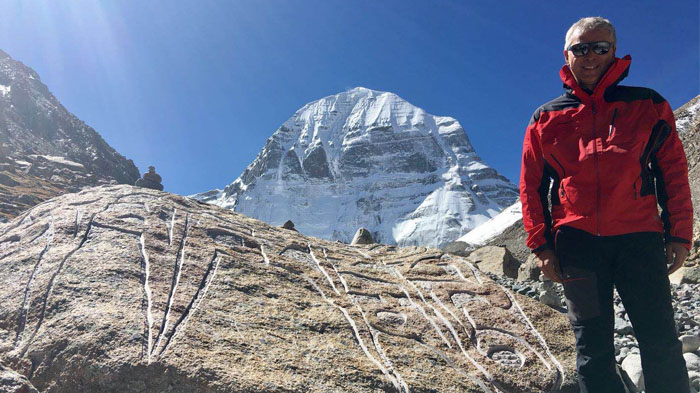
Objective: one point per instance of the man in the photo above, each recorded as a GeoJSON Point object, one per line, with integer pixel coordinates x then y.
{"type": "Point", "coordinates": [605, 155]}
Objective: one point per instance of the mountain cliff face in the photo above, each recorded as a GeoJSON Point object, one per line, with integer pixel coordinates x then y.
{"type": "Point", "coordinates": [371, 159]}
{"type": "Point", "coordinates": [44, 149]}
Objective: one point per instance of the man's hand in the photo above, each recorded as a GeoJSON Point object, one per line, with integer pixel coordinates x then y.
{"type": "Point", "coordinates": [549, 264]}
{"type": "Point", "coordinates": [675, 255]}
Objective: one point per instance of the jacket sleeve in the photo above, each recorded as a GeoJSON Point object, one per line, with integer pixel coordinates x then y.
{"type": "Point", "coordinates": [673, 190]}
{"type": "Point", "coordinates": [534, 186]}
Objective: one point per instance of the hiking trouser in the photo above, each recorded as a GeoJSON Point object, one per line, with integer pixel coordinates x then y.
{"type": "Point", "coordinates": [635, 264]}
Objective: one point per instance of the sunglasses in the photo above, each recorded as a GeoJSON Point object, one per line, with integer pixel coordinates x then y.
{"type": "Point", "coordinates": [599, 48]}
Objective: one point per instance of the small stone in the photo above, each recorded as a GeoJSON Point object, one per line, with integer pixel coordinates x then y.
{"type": "Point", "coordinates": [690, 343]}
{"type": "Point", "coordinates": [529, 270]}
{"type": "Point", "coordinates": [622, 326]}
{"type": "Point", "coordinates": [550, 299]}
{"type": "Point", "coordinates": [694, 378]}
{"type": "Point", "coordinates": [692, 361]}
{"type": "Point", "coordinates": [495, 260]}
{"type": "Point", "coordinates": [624, 351]}
{"type": "Point", "coordinates": [458, 248]}
{"type": "Point", "coordinates": [362, 236]}
{"type": "Point", "coordinates": [633, 367]}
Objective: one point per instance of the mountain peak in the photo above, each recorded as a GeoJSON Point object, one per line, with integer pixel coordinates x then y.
{"type": "Point", "coordinates": [368, 158]}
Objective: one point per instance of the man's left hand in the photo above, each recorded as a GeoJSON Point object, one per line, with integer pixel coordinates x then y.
{"type": "Point", "coordinates": [675, 255]}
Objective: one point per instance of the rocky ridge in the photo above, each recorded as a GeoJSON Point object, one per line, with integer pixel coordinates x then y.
{"type": "Point", "coordinates": [44, 149]}
{"type": "Point", "coordinates": [126, 289]}
{"type": "Point", "coordinates": [364, 158]}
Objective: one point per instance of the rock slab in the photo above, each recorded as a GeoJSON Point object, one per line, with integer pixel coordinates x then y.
{"type": "Point", "coordinates": [124, 289]}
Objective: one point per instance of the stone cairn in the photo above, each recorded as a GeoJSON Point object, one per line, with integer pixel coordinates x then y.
{"type": "Point", "coordinates": [289, 225]}
{"type": "Point", "coordinates": [150, 179]}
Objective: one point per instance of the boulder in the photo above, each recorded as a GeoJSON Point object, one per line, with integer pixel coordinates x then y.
{"type": "Point", "coordinates": [495, 260]}
{"type": "Point", "coordinates": [548, 295]}
{"type": "Point", "coordinates": [691, 275]}
{"type": "Point", "coordinates": [125, 289]}
{"type": "Point", "coordinates": [694, 379]}
{"type": "Point", "coordinates": [690, 343]}
{"type": "Point", "coordinates": [686, 275]}
{"type": "Point", "coordinates": [529, 270]}
{"type": "Point", "coordinates": [631, 388]}
{"type": "Point", "coordinates": [622, 326]}
{"type": "Point", "coordinates": [362, 236]}
{"type": "Point", "coordinates": [692, 361]}
{"type": "Point", "coordinates": [633, 367]}
{"type": "Point", "coordinates": [457, 248]}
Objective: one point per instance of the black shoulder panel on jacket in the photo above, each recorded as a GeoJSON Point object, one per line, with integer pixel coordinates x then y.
{"type": "Point", "coordinates": [560, 103]}
{"type": "Point", "coordinates": [631, 93]}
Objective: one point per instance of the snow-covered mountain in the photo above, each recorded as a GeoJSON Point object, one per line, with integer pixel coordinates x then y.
{"type": "Point", "coordinates": [364, 158]}
{"type": "Point", "coordinates": [495, 226]}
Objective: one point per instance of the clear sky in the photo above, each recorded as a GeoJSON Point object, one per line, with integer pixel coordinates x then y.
{"type": "Point", "coordinates": [196, 87]}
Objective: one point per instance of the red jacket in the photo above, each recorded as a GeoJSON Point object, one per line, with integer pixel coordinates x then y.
{"type": "Point", "coordinates": [610, 157]}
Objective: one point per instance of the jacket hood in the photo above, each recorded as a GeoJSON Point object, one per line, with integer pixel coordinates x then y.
{"type": "Point", "coordinates": [614, 75]}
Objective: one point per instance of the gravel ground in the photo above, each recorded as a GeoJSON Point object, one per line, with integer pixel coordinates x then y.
{"type": "Point", "coordinates": [686, 304]}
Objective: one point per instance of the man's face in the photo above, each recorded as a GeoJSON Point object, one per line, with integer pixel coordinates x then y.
{"type": "Point", "coordinates": [590, 68]}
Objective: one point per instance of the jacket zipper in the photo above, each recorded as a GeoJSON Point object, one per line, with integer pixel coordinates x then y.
{"type": "Point", "coordinates": [635, 189]}
{"type": "Point", "coordinates": [563, 172]}
{"type": "Point", "coordinates": [597, 174]}
{"type": "Point", "coordinates": [653, 143]}
{"type": "Point", "coordinates": [563, 175]}
{"type": "Point", "coordinates": [612, 123]}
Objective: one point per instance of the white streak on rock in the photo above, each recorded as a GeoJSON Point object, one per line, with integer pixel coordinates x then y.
{"type": "Point", "coordinates": [28, 289]}
{"type": "Point", "coordinates": [387, 362]}
{"type": "Point", "coordinates": [325, 273]}
{"type": "Point", "coordinates": [479, 367]}
{"type": "Point", "coordinates": [356, 331]}
{"type": "Point", "coordinates": [148, 293]}
{"type": "Point", "coordinates": [561, 375]}
{"type": "Point", "coordinates": [444, 307]}
{"type": "Point", "coordinates": [196, 301]}
{"type": "Point", "coordinates": [180, 259]}
{"type": "Point", "coordinates": [264, 254]}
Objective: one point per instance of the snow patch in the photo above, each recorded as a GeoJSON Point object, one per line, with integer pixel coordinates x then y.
{"type": "Point", "coordinates": [5, 90]}
{"type": "Point", "coordinates": [59, 160]}
{"type": "Point", "coordinates": [683, 123]}
{"type": "Point", "coordinates": [494, 227]}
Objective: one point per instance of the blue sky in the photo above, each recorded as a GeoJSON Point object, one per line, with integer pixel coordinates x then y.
{"type": "Point", "coordinates": [196, 87]}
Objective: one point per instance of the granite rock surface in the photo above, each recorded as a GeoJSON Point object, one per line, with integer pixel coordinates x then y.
{"type": "Point", "coordinates": [124, 289]}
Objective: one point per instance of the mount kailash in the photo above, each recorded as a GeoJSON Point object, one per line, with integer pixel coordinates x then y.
{"type": "Point", "coordinates": [365, 158]}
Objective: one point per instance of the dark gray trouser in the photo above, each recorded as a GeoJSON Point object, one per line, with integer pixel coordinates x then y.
{"type": "Point", "coordinates": [636, 265]}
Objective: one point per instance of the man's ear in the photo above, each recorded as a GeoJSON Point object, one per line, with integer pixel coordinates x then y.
{"type": "Point", "coordinates": [566, 57]}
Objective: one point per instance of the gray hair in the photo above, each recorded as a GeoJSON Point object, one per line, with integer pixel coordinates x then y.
{"type": "Point", "coordinates": [587, 24]}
